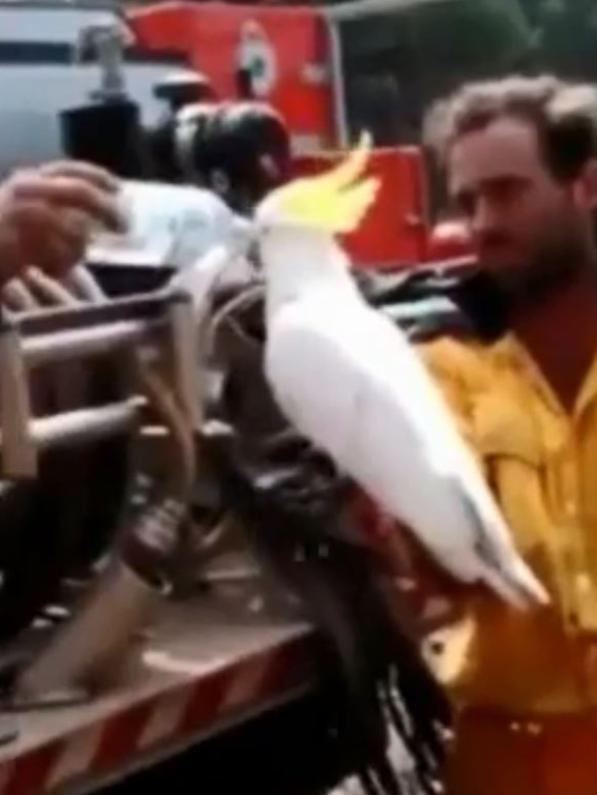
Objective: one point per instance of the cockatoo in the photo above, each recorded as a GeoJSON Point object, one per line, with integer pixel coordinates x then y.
{"type": "Point", "coordinates": [349, 381]}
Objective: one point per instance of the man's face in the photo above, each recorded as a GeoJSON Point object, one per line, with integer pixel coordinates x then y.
{"type": "Point", "coordinates": [529, 230]}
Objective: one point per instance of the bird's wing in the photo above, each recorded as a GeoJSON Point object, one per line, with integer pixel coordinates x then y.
{"type": "Point", "coordinates": [333, 382]}
{"type": "Point", "coordinates": [321, 375]}
{"type": "Point", "coordinates": [349, 381]}
{"type": "Point", "coordinates": [341, 373]}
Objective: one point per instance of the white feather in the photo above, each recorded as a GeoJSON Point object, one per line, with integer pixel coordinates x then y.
{"type": "Point", "coordinates": [349, 381]}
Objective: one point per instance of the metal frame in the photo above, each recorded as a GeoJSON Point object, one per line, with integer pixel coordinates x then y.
{"type": "Point", "coordinates": [162, 321]}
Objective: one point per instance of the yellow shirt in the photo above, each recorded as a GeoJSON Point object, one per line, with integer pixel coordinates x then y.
{"type": "Point", "coordinates": [542, 464]}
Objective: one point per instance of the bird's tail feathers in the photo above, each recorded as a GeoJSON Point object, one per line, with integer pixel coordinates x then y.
{"type": "Point", "coordinates": [517, 585]}
{"type": "Point", "coordinates": [503, 569]}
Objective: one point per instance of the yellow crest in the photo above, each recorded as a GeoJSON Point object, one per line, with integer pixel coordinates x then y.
{"type": "Point", "coordinates": [336, 200]}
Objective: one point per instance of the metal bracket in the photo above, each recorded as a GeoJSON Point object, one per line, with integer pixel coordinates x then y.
{"type": "Point", "coordinates": [107, 38]}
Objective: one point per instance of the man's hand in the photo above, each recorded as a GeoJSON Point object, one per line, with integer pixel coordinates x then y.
{"type": "Point", "coordinates": [34, 290]}
{"type": "Point", "coordinates": [47, 215]}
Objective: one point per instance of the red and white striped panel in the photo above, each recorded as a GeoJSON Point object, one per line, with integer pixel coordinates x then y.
{"type": "Point", "coordinates": [161, 721]}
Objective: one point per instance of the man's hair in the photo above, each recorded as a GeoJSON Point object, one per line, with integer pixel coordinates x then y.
{"type": "Point", "coordinates": [564, 115]}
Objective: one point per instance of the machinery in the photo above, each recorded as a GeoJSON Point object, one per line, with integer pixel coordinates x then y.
{"type": "Point", "coordinates": [77, 458]}
{"type": "Point", "coordinates": [91, 539]}
{"type": "Point", "coordinates": [330, 72]}
{"type": "Point", "coordinates": [92, 545]}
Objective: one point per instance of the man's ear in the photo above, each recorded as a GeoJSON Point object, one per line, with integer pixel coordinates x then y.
{"type": "Point", "coordinates": [585, 186]}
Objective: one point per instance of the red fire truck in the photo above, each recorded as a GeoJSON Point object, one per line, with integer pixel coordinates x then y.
{"type": "Point", "coordinates": [302, 60]}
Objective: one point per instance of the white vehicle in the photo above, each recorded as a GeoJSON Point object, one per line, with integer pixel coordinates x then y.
{"type": "Point", "coordinates": [44, 70]}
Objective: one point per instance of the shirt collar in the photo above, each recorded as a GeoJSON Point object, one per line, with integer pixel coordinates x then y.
{"type": "Point", "coordinates": [510, 352]}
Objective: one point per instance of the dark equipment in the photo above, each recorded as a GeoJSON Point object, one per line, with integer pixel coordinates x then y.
{"type": "Point", "coordinates": [71, 429]}
{"type": "Point", "coordinates": [240, 150]}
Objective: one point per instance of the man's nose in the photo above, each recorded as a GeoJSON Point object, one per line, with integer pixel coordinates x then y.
{"type": "Point", "coordinates": [485, 218]}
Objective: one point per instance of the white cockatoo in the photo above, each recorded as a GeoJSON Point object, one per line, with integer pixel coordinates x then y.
{"type": "Point", "coordinates": [350, 382]}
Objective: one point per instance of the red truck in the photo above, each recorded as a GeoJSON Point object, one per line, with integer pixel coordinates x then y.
{"type": "Point", "coordinates": [300, 60]}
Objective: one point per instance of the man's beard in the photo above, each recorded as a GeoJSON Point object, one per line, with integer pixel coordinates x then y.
{"type": "Point", "coordinates": [551, 267]}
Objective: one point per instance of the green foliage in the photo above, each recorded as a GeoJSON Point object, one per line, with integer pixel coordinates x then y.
{"type": "Point", "coordinates": [478, 36]}
{"type": "Point", "coordinates": [566, 32]}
